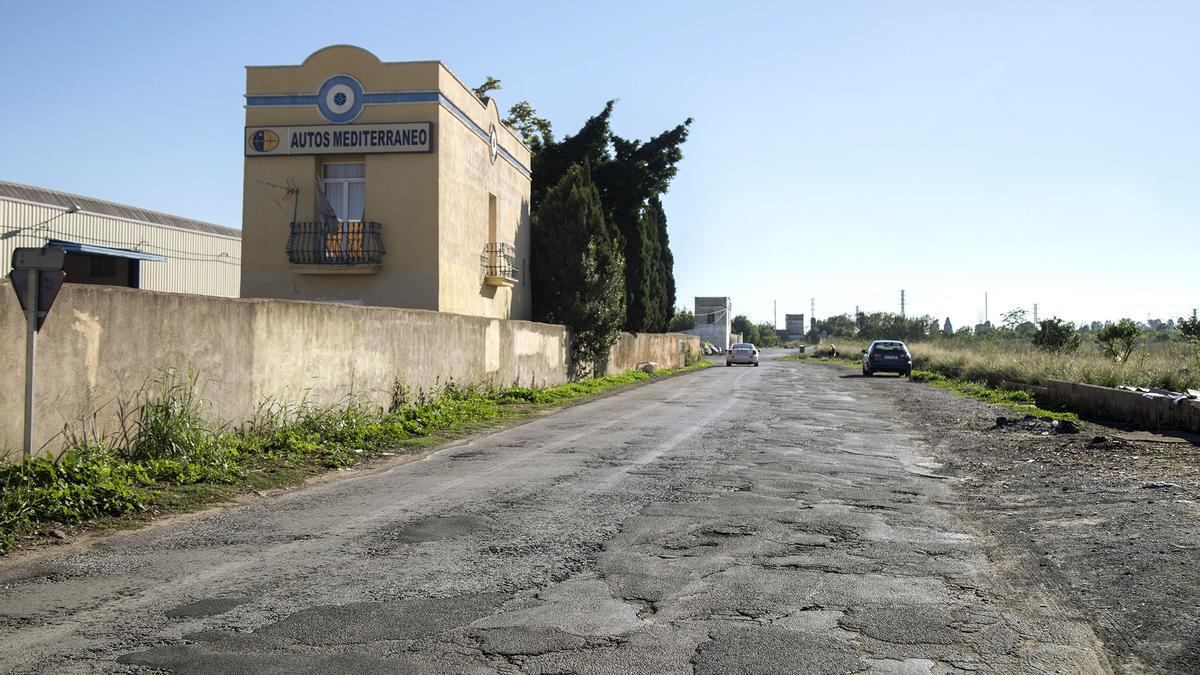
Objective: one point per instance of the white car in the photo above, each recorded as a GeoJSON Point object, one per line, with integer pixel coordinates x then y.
{"type": "Point", "coordinates": [742, 352]}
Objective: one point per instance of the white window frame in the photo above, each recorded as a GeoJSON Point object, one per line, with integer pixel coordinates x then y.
{"type": "Point", "coordinates": [345, 205]}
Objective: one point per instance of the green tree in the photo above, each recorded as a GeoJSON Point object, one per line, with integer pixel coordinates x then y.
{"type": "Point", "coordinates": [1119, 339]}
{"type": "Point", "coordinates": [948, 328]}
{"type": "Point", "coordinates": [742, 324]}
{"type": "Point", "coordinates": [483, 91]}
{"type": "Point", "coordinates": [1056, 335]}
{"type": "Point", "coordinates": [682, 320]}
{"type": "Point", "coordinates": [1189, 328]}
{"type": "Point", "coordinates": [578, 279]}
{"type": "Point", "coordinates": [630, 184]}
{"type": "Point", "coordinates": [767, 335]}
{"type": "Point", "coordinates": [630, 175]}
{"type": "Point", "coordinates": [1013, 318]}
{"type": "Point", "coordinates": [533, 129]}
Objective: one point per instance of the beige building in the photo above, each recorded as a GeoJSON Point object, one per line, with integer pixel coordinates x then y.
{"type": "Point", "coordinates": [382, 184]}
{"type": "Point", "coordinates": [112, 244]}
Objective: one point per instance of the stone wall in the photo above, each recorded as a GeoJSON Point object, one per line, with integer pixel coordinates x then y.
{"type": "Point", "coordinates": [668, 350]}
{"type": "Point", "coordinates": [1119, 405]}
{"type": "Point", "coordinates": [101, 345]}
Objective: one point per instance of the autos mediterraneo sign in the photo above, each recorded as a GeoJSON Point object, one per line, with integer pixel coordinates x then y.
{"type": "Point", "coordinates": [340, 138]}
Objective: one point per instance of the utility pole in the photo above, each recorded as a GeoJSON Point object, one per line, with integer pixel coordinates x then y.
{"type": "Point", "coordinates": [1035, 319]}
{"type": "Point", "coordinates": [985, 308]}
{"type": "Point", "coordinates": [774, 314]}
{"type": "Point", "coordinates": [812, 308]}
{"type": "Point", "coordinates": [901, 303]}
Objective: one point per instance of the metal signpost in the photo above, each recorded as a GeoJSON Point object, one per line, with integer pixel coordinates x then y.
{"type": "Point", "coordinates": [37, 274]}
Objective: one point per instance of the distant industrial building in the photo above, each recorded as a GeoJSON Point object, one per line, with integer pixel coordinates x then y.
{"type": "Point", "coordinates": [714, 320]}
{"type": "Point", "coordinates": [385, 184]}
{"type": "Point", "coordinates": [118, 245]}
{"type": "Point", "coordinates": [794, 329]}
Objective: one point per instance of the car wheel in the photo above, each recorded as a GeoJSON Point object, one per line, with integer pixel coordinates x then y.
{"type": "Point", "coordinates": [867, 372]}
{"type": "Point", "coordinates": [727, 364]}
{"type": "Point", "coordinates": [756, 364]}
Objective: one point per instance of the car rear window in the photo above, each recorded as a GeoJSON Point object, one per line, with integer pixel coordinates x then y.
{"type": "Point", "coordinates": [743, 345]}
{"type": "Point", "coordinates": [889, 347]}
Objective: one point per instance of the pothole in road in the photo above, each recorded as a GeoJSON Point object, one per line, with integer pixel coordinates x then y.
{"type": "Point", "coordinates": [206, 607]}
{"type": "Point", "coordinates": [436, 529]}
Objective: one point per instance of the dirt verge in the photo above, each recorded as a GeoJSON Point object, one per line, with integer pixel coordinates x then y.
{"type": "Point", "coordinates": [1107, 515]}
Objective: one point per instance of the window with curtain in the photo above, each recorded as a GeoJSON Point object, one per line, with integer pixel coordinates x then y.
{"type": "Point", "coordinates": [346, 191]}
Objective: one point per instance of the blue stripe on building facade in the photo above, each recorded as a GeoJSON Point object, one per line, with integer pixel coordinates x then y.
{"type": "Point", "coordinates": [398, 97]}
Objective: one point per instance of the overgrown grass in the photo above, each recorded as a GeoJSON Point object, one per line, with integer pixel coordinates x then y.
{"type": "Point", "coordinates": [169, 457]}
{"type": "Point", "coordinates": [1017, 399]}
{"type": "Point", "coordinates": [1171, 365]}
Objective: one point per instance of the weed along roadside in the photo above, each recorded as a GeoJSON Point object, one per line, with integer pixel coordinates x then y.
{"type": "Point", "coordinates": [170, 458]}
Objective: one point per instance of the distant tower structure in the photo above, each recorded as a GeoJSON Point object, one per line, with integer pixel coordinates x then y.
{"type": "Point", "coordinates": [1035, 319]}
{"type": "Point", "coordinates": [902, 302]}
{"type": "Point", "coordinates": [812, 308]}
{"type": "Point", "coordinates": [713, 320]}
{"type": "Point", "coordinates": [793, 326]}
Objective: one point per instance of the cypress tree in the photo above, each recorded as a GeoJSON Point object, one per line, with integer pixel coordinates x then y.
{"type": "Point", "coordinates": [578, 267]}
{"type": "Point", "coordinates": [630, 176]}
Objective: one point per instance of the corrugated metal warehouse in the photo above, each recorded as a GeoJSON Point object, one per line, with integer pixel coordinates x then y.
{"type": "Point", "coordinates": [119, 245]}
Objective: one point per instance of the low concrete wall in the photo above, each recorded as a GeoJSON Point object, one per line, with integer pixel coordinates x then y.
{"type": "Point", "coordinates": [668, 350]}
{"type": "Point", "coordinates": [101, 345]}
{"type": "Point", "coordinates": [1119, 405]}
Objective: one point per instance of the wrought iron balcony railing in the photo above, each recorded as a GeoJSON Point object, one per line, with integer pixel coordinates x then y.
{"type": "Point", "coordinates": [499, 263]}
{"type": "Point", "coordinates": [335, 243]}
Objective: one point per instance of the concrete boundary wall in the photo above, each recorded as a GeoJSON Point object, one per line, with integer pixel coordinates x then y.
{"type": "Point", "coordinates": [668, 350]}
{"type": "Point", "coordinates": [1119, 405]}
{"type": "Point", "coordinates": [101, 345]}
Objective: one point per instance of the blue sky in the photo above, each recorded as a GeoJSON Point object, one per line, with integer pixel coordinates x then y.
{"type": "Point", "coordinates": [841, 151]}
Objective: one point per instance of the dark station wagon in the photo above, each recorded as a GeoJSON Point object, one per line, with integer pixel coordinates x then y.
{"type": "Point", "coordinates": [887, 356]}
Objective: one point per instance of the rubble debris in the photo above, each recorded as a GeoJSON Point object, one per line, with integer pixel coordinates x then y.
{"type": "Point", "coordinates": [1065, 427]}
{"type": "Point", "coordinates": [1176, 397]}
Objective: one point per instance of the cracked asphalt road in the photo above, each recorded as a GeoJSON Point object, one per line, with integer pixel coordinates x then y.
{"type": "Point", "coordinates": [772, 519]}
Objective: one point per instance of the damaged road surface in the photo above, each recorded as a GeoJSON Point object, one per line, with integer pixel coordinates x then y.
{"type": "Point", "coordinates": [773, 519]}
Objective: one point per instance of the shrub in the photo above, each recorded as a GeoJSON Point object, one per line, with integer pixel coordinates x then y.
{"type": "Point", "coordinates": [1119, 339]}
{"type": "Point", "coordinates": [1056, 335]}
{"type": "Point", "coordinates": [1189, 328]}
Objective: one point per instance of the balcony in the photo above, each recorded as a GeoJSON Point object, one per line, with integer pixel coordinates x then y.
{"type": "Point", "coordinates": [499, 263]}
{"type": "Point", "coordinates": [341, 247]}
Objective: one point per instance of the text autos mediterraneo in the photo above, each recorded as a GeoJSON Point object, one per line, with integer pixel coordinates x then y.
{"type": "Point", "coordinates": [340, 100]}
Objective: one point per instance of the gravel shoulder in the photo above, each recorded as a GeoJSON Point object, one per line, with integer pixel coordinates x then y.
{"type": "Point", "coordinates": [1108, 516]}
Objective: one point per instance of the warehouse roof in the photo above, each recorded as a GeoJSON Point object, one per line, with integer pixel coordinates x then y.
{"type": "Point", "coordinates": [38, 195]}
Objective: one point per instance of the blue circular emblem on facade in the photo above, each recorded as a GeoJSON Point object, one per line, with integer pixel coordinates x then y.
{"type": "Point", "coordinates": [340, 99]}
